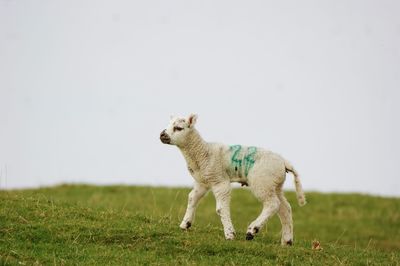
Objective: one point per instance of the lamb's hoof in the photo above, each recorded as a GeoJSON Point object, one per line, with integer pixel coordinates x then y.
{"type": "Point", "coordinates": [185, 226]}
{"type": "Point", "coordinates": [230, 236]}
{"type": "Point", "coordinates": [188, 225]}
{"type": "Point", "coordinates": [249, 236]}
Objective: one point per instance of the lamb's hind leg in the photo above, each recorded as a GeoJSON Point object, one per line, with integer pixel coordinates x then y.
{"type": "Point", "coordinates": [285, 215]}
{"type": "Point", "coordinates": [270, 207]}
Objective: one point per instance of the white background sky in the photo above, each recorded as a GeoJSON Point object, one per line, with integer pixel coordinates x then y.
{"type": "Point", "coordinates": [87, 86]}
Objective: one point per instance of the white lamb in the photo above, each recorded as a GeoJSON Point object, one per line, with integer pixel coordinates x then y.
{"type": "Point", "coordinates": [214, 166]}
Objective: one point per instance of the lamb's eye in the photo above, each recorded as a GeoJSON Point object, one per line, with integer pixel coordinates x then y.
{"type": "Point", "coordinates": [178, 128]}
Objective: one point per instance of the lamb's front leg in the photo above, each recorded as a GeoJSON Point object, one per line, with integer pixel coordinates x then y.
{"type": "Point", "coordinates": [194, 197]}
{"type": "Point", "coordinates": [222, 193]}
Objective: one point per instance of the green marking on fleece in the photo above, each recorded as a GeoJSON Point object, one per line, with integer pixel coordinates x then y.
{"type": "Point", "coordinates": [247, 161]}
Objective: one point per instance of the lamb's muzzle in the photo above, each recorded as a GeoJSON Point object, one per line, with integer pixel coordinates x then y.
{"type": "Point", "coordinates": [164, 137]}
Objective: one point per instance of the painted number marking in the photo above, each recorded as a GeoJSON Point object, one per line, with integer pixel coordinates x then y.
{"type": "Point", "coordinates": [247, 161]}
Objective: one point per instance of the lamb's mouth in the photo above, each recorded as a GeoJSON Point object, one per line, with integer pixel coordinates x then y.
{"type": "Point", "coordinates": [165, 138]}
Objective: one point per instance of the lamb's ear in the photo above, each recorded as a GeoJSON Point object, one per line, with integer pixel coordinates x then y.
{"type": "Point", "coordinates": [192, 120]}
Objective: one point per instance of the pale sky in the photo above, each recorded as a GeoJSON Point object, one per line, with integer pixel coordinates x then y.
{"type": "Point", "coordinates": [87, 86]}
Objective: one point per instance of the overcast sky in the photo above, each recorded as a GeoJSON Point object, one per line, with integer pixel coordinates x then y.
{"type": "Point", "coordinates": [87, 86]}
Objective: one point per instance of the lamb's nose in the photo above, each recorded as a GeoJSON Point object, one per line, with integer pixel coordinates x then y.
{"type": "Point", "coordinates": [164, 137]}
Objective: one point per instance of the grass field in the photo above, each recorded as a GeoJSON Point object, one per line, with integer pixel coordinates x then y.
{"type": "Point", "coordinates": [139, 225]}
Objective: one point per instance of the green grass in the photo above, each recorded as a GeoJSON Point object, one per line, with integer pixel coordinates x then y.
{"type": "Point", "coordinates": [139, 225]}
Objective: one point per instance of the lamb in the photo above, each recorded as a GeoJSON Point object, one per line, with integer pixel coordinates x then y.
{"type": "Point", "coordinates": [214, 166]}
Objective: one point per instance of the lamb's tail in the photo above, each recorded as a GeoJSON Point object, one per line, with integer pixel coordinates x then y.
{"type": "Point", "coordinates": [301, 198]}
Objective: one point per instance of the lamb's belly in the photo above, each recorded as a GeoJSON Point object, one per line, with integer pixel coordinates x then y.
{"type": "Point", "coordinates": [238, 179]}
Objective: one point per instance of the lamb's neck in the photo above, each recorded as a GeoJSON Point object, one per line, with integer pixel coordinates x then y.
{"type": "Point", "coordinates": [195, 149]}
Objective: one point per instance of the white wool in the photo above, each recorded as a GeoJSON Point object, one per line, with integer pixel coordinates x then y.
{"type": "Point", "coordinates": [214, 166]}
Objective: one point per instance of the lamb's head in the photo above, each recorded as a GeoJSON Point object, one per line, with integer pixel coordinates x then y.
{"type": "Point", "coordinates": [178, 130]}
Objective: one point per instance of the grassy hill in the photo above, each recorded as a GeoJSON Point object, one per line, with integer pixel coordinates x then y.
{"type": "Point", "coordinates": [139, 225]}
